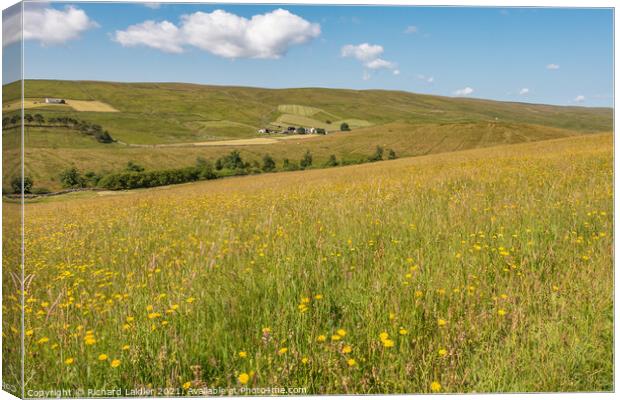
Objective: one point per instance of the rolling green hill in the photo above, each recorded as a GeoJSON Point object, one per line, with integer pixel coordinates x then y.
{"type": "Point", "coordinates": [152, 116]}
{"type": "Point", "coordinates": [164, 112]}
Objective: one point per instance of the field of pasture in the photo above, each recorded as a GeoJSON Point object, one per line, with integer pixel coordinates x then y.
{"type": "Point", "coordinates": [482, 270]}
{"type": "Point", "coordinates": [49, 151]}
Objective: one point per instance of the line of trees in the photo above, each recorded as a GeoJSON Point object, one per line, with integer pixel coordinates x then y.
{"type": "Point", "coordinates": [135, 176]}
{"type": "Point", "coordinates": [378, 154]}
{"type": "Point", "coordinates": [87, 128]}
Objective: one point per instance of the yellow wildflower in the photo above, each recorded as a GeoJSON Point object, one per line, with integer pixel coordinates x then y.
{"type": "Point", "coordinates": [102, 357]}
{"type": "Point", "coordinates": [243, 378]}
{"type": "Point", "coordinates": [89, 340]}
{"type": "Point", "coordinates": [44, 339]}
{"type": "Point", "coordinates": [115, 363]}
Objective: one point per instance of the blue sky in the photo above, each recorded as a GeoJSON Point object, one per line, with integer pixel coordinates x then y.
{"type": "Point", "coordinates": [538, 55]}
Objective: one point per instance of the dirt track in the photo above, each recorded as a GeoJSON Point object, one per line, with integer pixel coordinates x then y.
{"type": "Point", "coordinates": [233, 142]}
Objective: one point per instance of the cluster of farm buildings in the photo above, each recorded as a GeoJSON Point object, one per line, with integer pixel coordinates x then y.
{"type": "Point", "coordinates": [51, 100]}
{"type": "Point", "coordinates": [300, 130]}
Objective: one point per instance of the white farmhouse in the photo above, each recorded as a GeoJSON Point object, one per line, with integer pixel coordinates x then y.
{"type": "Point", "coordinates": [51, 100]}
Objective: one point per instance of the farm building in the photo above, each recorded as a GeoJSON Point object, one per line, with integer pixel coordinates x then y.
{"type": "Point", "coordinates": [293, 130]}
{"type": "Point", "coordinates": [51, 100]}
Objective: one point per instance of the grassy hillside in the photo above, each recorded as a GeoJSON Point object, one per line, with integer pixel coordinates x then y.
{"type": "Point", "coordinates": [346, 280]}
{"type": "Point", "coordinates": [49, 151]}
{"type": "Point", "coordinates": [161, 112]}
{"type": "Point", "coordinates": [170, 113]}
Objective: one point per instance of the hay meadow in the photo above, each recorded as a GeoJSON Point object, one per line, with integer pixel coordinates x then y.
{"type": "Point", "coordinates": [484, 270]}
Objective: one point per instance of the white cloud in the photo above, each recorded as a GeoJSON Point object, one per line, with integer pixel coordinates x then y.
{"type": "Point", "coordinates": [553, 66]}
{"type": "Point", "coordinates": [579, 99]}
{"type": "Point", "coordinates": [364, 52]}
{"type": "Point", "coordinates": [411, 29]}
{"type": "Point", "coordinates": [369, 56]}
{"type": "Point", "coordinates": [153, 6]}
{"type": "Point", "coordinates": [463, 92]}
{"type": "Point", "coordinates": [379, 63]}
{"type": "Point", "coordinates": [524, 91]}
{"type": "Point", "coordinates": [164, 36]}
{"type": "Point", "coordinates": [47, 25]}
{"type": "Point", "coordinates": [224, 34]}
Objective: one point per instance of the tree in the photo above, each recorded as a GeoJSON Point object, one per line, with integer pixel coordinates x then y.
{"type": "Point", "coordinates": [378, 156]}
{"type": "Point", "coordinates": [332, 161]}
{"type": "Point", "coordinates": [391, 155]}
{"type": "Point", "coordinates": [306, 162]}
{"type": "Point", "coordinates": [205, 168]}
{"type": "Point", "coordinates": [232, 161]}
{"type": "Point", "coordinates": [218, 164]}
{"type": "Point", "coordinates": [91, 179]}
{"type": "Point", "coordinates": [103, 137]}
{"type": "Point", "coordinates": [16, 184]}
{"type": "Point", "coordinates": [28, 118]}
{"type": "Point", "coordinates": [301, 130]}
{"type": "Point", "coordinates": [344, 127]}
{"type": "Point", "coordinates": [285, 163]}
{"type": "Point", "coordinates": [320, 131]}
{"type": "Point", "coordinates": [71, 178]}
{"type": "Point", "coordinates": [38, 118]}
{"type": "Point", "coordinates": [133, 167]}
{"type": "Point", "coordinates": [268, 163]}
{"type": "Point", "coordinates": [207, 172]}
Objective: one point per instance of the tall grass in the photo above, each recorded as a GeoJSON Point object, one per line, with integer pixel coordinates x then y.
{"type": "Point", "coordinates": [486, 270]}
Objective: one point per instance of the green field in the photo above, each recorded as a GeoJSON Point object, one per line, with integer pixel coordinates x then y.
{"type": "Point", "coordinates": [478, 261]}
{"type": "Point", "coordinates": [152, 114]}
{"type": "Point", "coordinates": [483, 270]}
